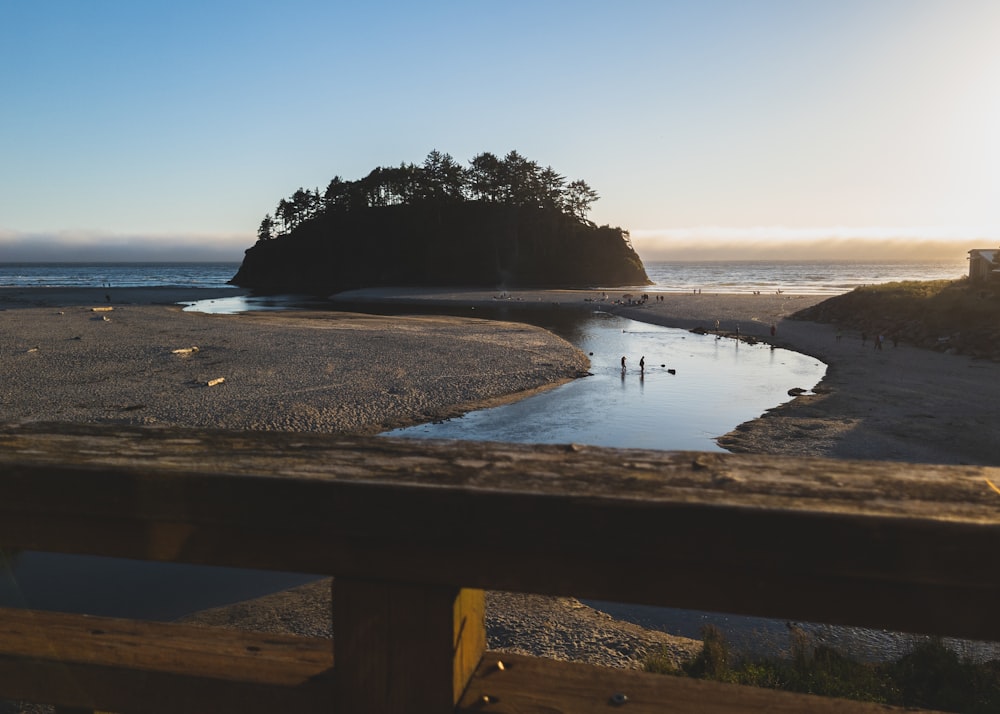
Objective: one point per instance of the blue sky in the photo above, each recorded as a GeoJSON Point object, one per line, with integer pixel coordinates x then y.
{"type": "Point", "coordinates": [171, 128]}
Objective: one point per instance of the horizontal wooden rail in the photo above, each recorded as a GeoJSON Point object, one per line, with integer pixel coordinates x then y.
{"type": "Point", "coordinates": [426, 525]}
{"type": "Point", "coordinates": [111, 664]}
{"type": "Point", "coordinates": [108, 664]}
{"type": "Point", "coordinates": [532, 685]}
{"type": "Point", "coordinates": [857, 543]}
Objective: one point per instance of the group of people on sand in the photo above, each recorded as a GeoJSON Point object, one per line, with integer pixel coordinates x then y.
{"type": "Point", "coordinates": [627, 299]}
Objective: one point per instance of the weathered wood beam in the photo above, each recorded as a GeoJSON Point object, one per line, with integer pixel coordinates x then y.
{"type": "Point", "coordinates": [859, 543]}
{"type": "Point", "coordinates": [405, 648]}
{"type": "Point", "coordinates": [109, 664]}
{"type": "Point", "coordinates": [531, 685]}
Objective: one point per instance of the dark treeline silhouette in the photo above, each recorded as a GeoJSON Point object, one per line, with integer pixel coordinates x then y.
{"type": "Point", "coordinates": [498, 222]}
{"type": "Point", "coordinates": [512, 181]}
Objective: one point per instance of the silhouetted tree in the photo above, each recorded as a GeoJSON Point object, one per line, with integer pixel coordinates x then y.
{"type": "Point", "coordinates": [521, 179]}
{"type": "Point", "coordinates": [486, 177]}
{"type": "Point", "coordinates": [550, 188]}
{"type": "Point", "coordinates": [266, 229]}
{"type": "Point", "coordinates": [442, 177]}
{"type": "Point", "coordinates": [404, 181]}
{"type": "Point", "coordinates": [336, 194]}
{"type": "Point", "coordinates": [375, 188]}
{"type": "Point", "coordinates": [579, 197]}
{"type": "Point", "coordinates": [285, 213]}
{"type": "Point", "coordinates": [513, 180]}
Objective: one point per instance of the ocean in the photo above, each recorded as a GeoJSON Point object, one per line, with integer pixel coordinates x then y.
{"type": "Point", "coordinates": [813, 278]}
{"type": "Point", "coordinates": [121, 275]}
{"type": "Point", "coordinates": [797, 278]}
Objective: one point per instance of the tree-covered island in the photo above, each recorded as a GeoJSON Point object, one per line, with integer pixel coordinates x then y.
{"type": "Point", "coordinates": [496, 223]}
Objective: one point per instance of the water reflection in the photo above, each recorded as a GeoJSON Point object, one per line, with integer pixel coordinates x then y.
{"type": "Point", "coordinates": [693, 389]}
{"type": "Point", "coordinates": [247, 303]}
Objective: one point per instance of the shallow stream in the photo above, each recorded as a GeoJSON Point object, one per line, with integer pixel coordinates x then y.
{"type": "Point", "coordinates": [693, 389]}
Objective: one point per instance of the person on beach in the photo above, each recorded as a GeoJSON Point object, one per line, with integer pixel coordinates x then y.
{"type": "Point", "coordinates": [642, 364]}
{"type": "Point", "coordinates": [623, 364]}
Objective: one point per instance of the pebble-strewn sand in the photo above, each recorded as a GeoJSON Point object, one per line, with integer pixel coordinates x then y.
{"type": "Point", "coordinates": [63, 361]}
{"type": "Point", "coordinates": [556, 627]}
{"type": "Point", "coordinates": [289, 371]}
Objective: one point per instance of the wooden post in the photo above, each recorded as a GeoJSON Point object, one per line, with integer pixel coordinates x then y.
{"type": "Point", "coordinates": [404, 648]}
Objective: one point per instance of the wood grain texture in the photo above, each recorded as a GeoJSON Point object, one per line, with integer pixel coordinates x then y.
{"type": "Point", "coordinates": [127, 665]}
{"type": "Point", "coordinates": [531, 685]}
{"type": "Point", "coordinates": [414, 529]}
{"type": "Point", "coordinates": [403, 647]}
{"type": "Point", "coordinates": [859, 543]}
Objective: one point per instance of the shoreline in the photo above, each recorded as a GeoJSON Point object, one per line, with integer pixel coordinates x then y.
{"type": "Point", "coordinates": [900, 403]}
{"type": "Point", "coordinates": [71, 355]}
{"type": "Point", "coordinates": [64, 361]}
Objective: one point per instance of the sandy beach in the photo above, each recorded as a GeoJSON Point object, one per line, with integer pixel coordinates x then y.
{"type": "Point", "coordinates": [902, 403]}
{"type": "Point", "coordinates": [139, 359]}
{"type": "Point", "coordinates": [74, 355]}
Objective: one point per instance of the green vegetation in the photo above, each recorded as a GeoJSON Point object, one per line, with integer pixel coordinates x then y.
{"type": "Point", "coordinates": [956, 315]}
{"type": "Point", "coordinates": [499, 223]}
{"type": "Point", "coordinates": [931, 676]}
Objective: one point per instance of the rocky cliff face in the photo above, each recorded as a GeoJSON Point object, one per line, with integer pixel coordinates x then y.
{"type": "Point", "coordinates": [468, 244]}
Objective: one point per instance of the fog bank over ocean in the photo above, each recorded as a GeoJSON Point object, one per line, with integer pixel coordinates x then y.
{"type": "Point", "coordinates": [99, 247]}
{"type": "Point", "coordinates": [812, 244]}
{"type": "Point", "coordinates": [675, 244]}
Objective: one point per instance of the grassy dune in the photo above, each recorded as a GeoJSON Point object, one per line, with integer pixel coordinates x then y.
{"type": "Point", "coordinates": [955, 316]}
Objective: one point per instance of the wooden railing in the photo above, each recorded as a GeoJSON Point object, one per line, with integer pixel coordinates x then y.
{"type": "Point", "coordinates": [414, 531]}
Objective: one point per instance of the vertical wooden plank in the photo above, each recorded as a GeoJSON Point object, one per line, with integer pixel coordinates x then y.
{"type": "Point", "coordinates": [468, 638]}
{"type": "Point", "coordinates": [404, 648]}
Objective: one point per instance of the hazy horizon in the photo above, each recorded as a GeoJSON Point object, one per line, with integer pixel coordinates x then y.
{"type": "Point", "coordinates": [35, 249]}
{"type": "Point", "coordinates": [830, 248]}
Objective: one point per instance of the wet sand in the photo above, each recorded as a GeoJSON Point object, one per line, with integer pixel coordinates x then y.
{"type": "Point", "coordinates": [63, 360]}
{"type": "Point", "coordinates": [900, 403]}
